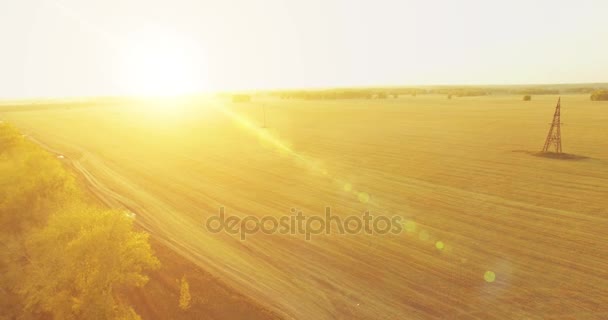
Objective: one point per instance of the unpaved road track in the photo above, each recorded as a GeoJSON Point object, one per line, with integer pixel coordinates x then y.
{"type": "Point", "coordinates": [538, 224]}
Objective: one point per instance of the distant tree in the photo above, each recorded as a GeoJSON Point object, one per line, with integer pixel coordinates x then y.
{"type": "Point", "coordinates": [527, 98]}
{"type": "Point", "coordinates": [599, 95]}
{"type": "Point", "coordinates": [79, 260]}
{"type": "Point", "coordinates": [449, 96]}
{"type": "Point", "coordinates": [184, 294]}
{"type": "Point", "coordinates": [579, 90]}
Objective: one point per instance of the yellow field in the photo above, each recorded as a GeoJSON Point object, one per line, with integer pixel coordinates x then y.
{"type": "Point", "coordinates": [460, 170]}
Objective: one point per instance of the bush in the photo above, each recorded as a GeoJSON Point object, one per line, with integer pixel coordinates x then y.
{"type": "Point", "coordinates": [184, 294]}
{"type": "Point", "coordinates": [527, 98]}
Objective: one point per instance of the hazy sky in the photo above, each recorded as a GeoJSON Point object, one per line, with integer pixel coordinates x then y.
{"type": "Point", "coordinates": [87, 47]}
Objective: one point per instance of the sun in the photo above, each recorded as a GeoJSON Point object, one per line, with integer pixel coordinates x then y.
{"type": "Point", "coordinates": [157, 63]}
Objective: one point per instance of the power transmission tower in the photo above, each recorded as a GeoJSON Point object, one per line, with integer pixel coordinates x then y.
{"type": "Point", "coordinates": [554, 138]}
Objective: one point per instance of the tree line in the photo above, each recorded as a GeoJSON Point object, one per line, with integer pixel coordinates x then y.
{"type": "Point", "coordinates": [61, 256]}
{"type": "Point", "coordinates": [449, 91]}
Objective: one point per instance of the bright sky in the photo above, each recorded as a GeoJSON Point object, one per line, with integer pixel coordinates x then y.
{"type": "Point", "coordinates": [80, 48]}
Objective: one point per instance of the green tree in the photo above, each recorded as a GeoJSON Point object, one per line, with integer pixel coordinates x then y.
{"type": "Point", "coordinates": [80, 259]}
{"type": "Point", "coordinates": [30, 189]}
{"type": "Point", "coordinates": [32, 183]}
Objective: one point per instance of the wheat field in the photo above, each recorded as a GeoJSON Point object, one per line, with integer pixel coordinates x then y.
{"type": "Point", "coordinates": [462, 171]}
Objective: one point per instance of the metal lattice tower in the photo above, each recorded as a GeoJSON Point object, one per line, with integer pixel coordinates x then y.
{"type": "Point", "coordinates": [554, 138]}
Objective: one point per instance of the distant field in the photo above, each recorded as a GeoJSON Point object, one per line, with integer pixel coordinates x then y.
{"type": "Point", "coordinates": [461, 169]}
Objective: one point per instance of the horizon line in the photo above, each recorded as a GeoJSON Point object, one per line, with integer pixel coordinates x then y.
{"type": "Point", "coordinates": [312, 88]}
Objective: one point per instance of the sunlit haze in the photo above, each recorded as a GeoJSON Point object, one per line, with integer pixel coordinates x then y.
{"type": "Point", "coordinates": [90, 48]}
{"type": "Point", "coordinates": [303, 159]}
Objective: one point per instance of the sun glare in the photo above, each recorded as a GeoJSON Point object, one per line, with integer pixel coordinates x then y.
{"type": "Point", "coordinates": [161, 64]}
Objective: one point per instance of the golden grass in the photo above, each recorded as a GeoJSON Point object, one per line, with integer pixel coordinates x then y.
{"type": "Point", "coordinates": [494, 232]}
